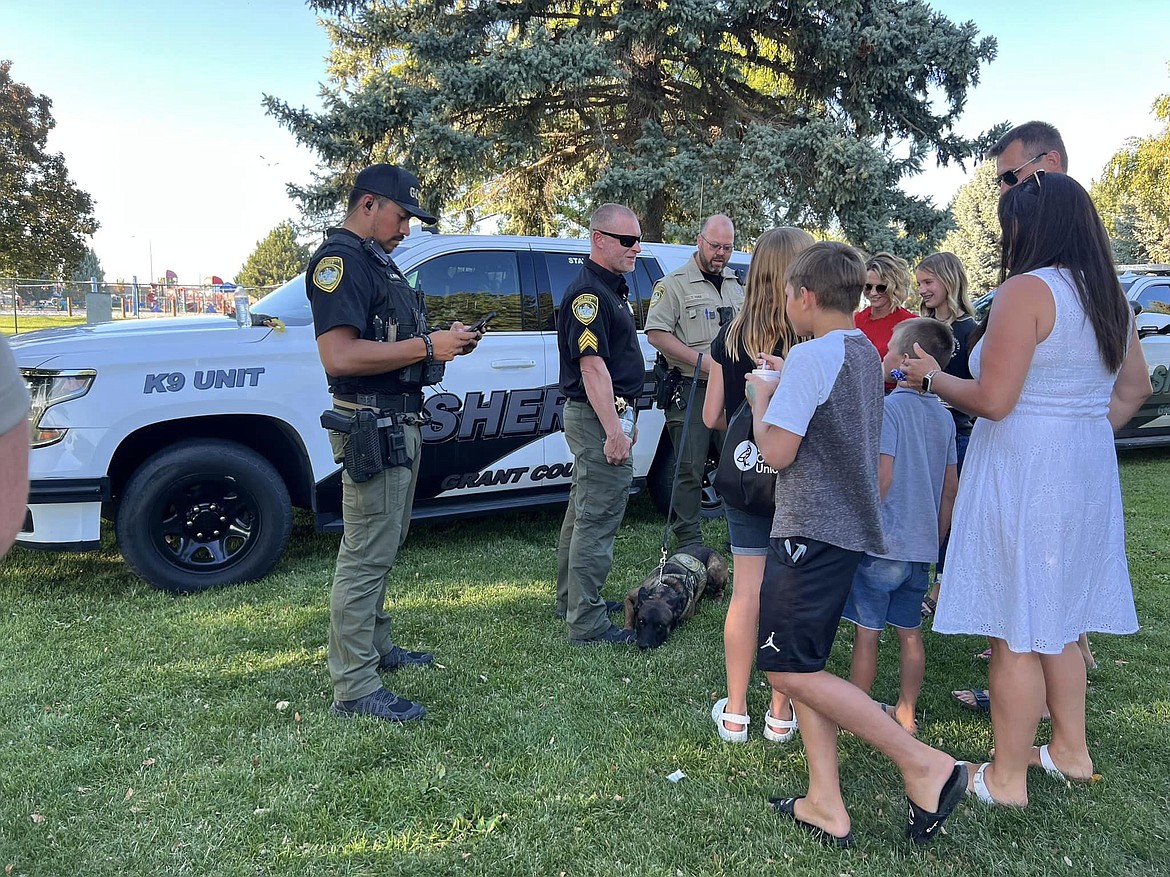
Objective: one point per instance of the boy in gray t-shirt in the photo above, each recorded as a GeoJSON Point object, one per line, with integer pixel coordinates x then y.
{"type": "Point", "coordinates": [918, 479]}
{"type": "Point", "coordinates": [820, 428]}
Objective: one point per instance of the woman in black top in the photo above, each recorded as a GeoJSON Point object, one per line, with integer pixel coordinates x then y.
{"type": "Point", "coordinates": [761, 327]}
{"type": "Point", "coordinates": [942, 283]}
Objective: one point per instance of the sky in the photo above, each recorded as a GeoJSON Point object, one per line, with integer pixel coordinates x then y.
{"type": "Point", "coordinates": [159, 114]}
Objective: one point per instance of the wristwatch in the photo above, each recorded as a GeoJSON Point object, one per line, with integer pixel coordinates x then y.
{"type": "Point", "coordinates": [927, 379]}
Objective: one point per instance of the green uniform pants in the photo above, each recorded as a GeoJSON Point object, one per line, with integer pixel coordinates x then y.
{"type": "Point", "coordinates": [597, 504]}
{"type": "Point", "coordinates": [377, 517]}
{"type": "Point", "coordinates": [688, 492]}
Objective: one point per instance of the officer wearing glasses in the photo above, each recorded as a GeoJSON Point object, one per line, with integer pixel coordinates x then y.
{"type": "Point", "coordinates": [1027, 148]}
{"type": "Point", "coordinates": [602, 373]}
{"type": "Point", "coordinates": [686, 311]}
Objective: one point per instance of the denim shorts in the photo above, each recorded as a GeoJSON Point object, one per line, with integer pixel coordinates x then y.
{"type": "Point", "coordinates": [749, 533]}
{"type": "Point", "coordinates": [887, 592]}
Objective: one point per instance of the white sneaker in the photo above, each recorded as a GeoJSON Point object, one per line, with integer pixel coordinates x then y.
{"type": "Point", "coordinates": [718, 716]}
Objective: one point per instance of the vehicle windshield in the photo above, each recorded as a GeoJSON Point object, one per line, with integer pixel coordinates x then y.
{"type": "Point", "coordinates": [288, 302]}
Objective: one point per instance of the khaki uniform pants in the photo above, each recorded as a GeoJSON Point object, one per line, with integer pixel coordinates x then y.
{"type": "Point", "coordinates": [688, 492]}
{"type": "Point", "coordinates": [377, 519]}
{"type": "Point", "coordinates": [597, 504]}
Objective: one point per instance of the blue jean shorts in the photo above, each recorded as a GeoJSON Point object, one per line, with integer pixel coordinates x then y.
{"type": "Point", "coordinates": [749, 533]}
{"type": "Point", "coordinates": [887, 592]}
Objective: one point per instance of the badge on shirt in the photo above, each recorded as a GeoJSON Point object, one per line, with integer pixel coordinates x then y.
{"type": "Point", "coordinates": [659, 291]}
{"type": "Point", "coordinates": [328, 275]}
{"type": "Point", "coordinates": [585, 308]}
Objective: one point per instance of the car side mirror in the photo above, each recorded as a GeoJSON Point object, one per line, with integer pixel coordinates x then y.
{"type": "Point", "coordinates": [1137, 308]}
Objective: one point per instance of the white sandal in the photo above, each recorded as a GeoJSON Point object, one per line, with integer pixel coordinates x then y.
{"type": "Point", "coordinates": [1049, 765]}
{"type": "Point", "coordinates": [719, 716]}
{"type": "Point", "coordinates": [779, 730]}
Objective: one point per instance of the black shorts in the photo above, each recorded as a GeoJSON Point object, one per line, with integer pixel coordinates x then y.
{"type": "Point", "coordinates": [806, 584]}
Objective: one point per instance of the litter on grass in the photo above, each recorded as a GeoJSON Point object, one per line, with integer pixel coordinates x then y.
{"type": "Point", "coordinates": [676, 776]}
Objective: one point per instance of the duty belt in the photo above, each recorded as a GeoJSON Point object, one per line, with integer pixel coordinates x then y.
{"type": "Point", "coordinates": [405, 404]}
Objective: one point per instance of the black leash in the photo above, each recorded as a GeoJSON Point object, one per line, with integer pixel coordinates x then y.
{"type": "Point", "coordinates": [682, 440]}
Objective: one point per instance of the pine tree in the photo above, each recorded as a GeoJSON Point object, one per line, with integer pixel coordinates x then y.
{"type": "Point", "coordinates": [804, 112]}
{"type": "Point", "coordinates": [975, 238]}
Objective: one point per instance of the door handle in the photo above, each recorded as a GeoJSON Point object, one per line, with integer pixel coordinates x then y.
{"type": "Point", "coordinates": [513, 363]}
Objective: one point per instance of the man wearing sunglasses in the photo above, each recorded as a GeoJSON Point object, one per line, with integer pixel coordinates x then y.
{"type": "Point", "coordinates": [1027, 148]}
{"type": "Point", "coordinates": [602, 374]}
{"type": "Point", "coordinates": [686, 310]}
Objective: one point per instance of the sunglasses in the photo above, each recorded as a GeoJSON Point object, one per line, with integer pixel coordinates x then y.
{"type": "Point", "coordinates": [1011, 178]}
{"type": "Point", "coordinates": [626, 240]}
{"type": "Point", "coordinates": [879, 287]}
{"type": "Point", "coordinates": [718, 248]}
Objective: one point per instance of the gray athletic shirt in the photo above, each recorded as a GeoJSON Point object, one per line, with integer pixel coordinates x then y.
{"type": "Point", "coordinates": [918, 431]}
{"type": "Point", "coordinates": [831, 394]}
{"type": "Point", "coordinates": [13, 395]}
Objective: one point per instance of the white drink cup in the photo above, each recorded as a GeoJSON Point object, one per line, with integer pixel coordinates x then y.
{"type": "Point", "coordinates": [767, 374]}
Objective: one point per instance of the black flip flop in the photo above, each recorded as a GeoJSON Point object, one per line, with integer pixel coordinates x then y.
{"type": "Point", "coordinates": [982, 700]}
{"type": "Point", "coordinates": [787, 806]}
{"type": "Point", "coordinates": [922, 825]}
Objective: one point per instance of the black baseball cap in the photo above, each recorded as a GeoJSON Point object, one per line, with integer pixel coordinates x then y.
{"type": "Point", "coordinates": [400, 186]}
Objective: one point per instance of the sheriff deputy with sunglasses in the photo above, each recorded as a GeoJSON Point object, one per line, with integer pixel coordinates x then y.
{"type": "Point", "coordinates": [602, 374]}
{"type": "Point", "coordinates": [688, 307]}
{"type": "Point", "coordinates": [378, 353]}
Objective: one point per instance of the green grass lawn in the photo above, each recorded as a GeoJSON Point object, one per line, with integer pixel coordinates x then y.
{"type": "Point", "coordinates": [142, 733]}
{"type": "Point", "coordinates": [9, 325]}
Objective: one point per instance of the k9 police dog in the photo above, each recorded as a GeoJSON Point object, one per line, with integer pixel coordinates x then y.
{"type": "Point", "coordinates": [668, 596]}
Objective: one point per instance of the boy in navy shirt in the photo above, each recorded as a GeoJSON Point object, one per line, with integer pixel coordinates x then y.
{"type": "Point", "coordinates": [820, 428]}
{"type": "Point", "coordinates": [917, 481]}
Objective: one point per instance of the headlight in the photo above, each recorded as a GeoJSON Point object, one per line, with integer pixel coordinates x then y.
{"type": "Point", "coordinates": [47, 387]}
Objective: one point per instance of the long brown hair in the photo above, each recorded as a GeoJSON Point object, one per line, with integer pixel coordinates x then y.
{"type": "Point", "coordinates": [1050, 220]}
{"type": "Point", "coordinates": [762, 323]}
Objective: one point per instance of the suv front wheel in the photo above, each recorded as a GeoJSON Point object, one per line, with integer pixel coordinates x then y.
{"type": "Point", "coordinates": [201, 514]}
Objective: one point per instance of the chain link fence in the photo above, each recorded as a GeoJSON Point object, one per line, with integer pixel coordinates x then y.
{"type": "Point", "coordinates": [31, 297]}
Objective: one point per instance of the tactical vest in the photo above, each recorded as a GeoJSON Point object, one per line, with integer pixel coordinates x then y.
{"type": "Point", "coordinates": [397, 313]}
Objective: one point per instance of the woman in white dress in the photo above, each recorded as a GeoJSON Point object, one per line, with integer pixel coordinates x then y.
{"type": "Point", "coordinates": [1038, 541]}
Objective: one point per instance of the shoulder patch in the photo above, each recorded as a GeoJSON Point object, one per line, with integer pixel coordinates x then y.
{"type": "Point", "coordinates": [587, 342]}
{"type": "Point", "coordinates": [329, 272]}
{"type": "Point", "coordinates": [585, 308]}
{"type": "Point", "coordinates": [659, 291]}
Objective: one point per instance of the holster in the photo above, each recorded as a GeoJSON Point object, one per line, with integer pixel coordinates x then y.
{"type": "Point", "coordinates": [374, 443]}
{"type": "Point", "coordinates": [667, 381]}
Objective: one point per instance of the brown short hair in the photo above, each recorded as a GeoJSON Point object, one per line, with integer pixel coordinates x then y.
{"type": "Point", "coordinates": [833, 272]}
{"type": "Point", "coordinates": [1035, 136]}
{"type": "Point", "coordinates": [933, 336]}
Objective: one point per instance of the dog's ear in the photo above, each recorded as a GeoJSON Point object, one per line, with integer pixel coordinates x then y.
{"type": "Point", "coordinates": [643, 594]}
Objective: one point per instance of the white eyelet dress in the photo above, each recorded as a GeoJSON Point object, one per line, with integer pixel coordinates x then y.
{"type": "Point", "coordinates": [1037, 550]}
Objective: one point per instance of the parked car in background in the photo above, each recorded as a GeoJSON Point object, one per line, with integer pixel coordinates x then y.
{"type": "Point", "coordinates": [196, 438]}
{"type": "Point", "coordinates": [1148, 289]}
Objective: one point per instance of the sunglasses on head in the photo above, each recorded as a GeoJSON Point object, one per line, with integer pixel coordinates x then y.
{"type": "Point", "coordinates": [1012, 178]}
{"type": "Point", "coordinates": [879, 287]}
{"type": "Point", "coordinates": [626, 240]}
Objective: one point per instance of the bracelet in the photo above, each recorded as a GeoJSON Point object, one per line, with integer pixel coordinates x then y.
{"type": "Point", "coordinates": [430, 348]}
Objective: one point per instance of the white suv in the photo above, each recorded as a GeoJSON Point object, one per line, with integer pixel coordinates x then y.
{"type": "Point", "coordinates": [197, 438]}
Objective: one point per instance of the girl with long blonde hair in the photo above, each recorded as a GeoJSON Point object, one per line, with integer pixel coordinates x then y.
{"type": "Point", "coordinates": [761, 328]}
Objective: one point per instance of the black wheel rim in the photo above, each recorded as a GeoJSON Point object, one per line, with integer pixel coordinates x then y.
{"type": "Point", "coordinates": [205, 523]}
{"type": "Point", "coordinates": [710, 501]}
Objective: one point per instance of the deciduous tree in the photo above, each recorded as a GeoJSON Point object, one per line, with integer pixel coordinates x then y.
{"type": "Point", "coordinates": [276, 259]}
{"type": "Point", "coordinates": [804, 112]}
{"type": "Point", "coordinates": [44, 217]}
{"type": "Point", "coordinates": [1133, 194]}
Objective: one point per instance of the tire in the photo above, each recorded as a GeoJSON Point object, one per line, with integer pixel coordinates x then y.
{"type": "Point", "coordinates": [662, 472]}
{"type": "Point", "coordinates": [173, 507]}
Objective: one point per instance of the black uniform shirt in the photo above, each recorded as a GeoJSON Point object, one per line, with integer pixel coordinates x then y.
{"type": "Point", "coordinates": [346, 287]}
{"type": "Point", "coordinates": [595, 320]}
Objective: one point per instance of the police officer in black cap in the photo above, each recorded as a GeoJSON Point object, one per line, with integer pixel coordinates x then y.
{"type": "Point", "coordinates": [378, 353]}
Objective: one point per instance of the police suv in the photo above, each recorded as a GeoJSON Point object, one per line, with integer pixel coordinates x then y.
{"type": "Point", "coordinates": [197, 438]}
